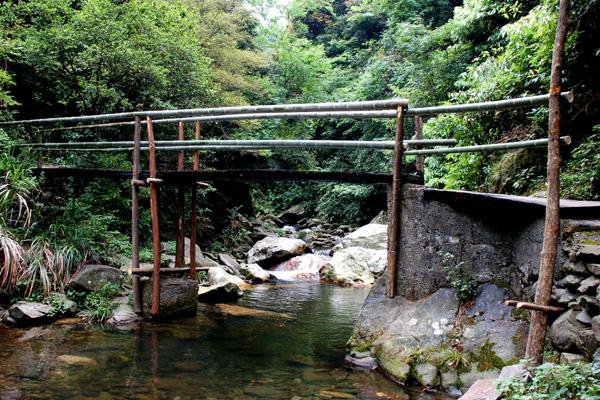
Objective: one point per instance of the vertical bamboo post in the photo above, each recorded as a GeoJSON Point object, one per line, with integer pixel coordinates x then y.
{"type": "Point", "coordinates": [194, 216]}
{"type": "Point", "coordinates": [135, 216]}
{"type": "Point", "coordinates": [419, 135]}
{"type": "Point", "coordinates": [179, 238]}
{"type": "Point", "coordinates": [155, 223]}
{"type": "Point", "coordinates": [537, 328]}
{"type": "Point", "coordinates": [39, 139]}
{"type": "Point", "coordinates": [394, 234]}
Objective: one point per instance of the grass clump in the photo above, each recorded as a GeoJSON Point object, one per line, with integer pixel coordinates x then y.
{"type": "Point", "coordinates": [458, 276]}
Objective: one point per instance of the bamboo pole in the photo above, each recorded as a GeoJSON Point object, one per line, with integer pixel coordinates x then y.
{"type": "Point", "coordinates": [395, 218]}
{"type": "Point", "coordinates": [155, 223]}
{"type": "Point", "coordinates": [179, 238]}
{"type": "Point", "coordinates": [220, 111]}
{"type": "Point", "coordinates": [294, 143]}
{"type": "Point", "coordinates": [194, 216]}
{"type": "Point", "coordinates": [135, 217]}
{"type": "Point", "coordinates": [500, 105]}
{"type": "Point", "coordinates": [494, 147]}
{"type": "Point", "coordinates": [537, 329]}
{"type": "Point", "coordinates": [420, 163]}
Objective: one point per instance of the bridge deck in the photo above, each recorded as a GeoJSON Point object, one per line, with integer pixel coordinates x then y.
{"type": "Point", "coordinates": [518, 205]}
{"type": "Point", "coordinates": [171, 177]}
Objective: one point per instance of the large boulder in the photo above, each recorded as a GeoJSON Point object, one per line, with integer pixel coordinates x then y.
{"type": "Point", "coordinates": [218, 276]}
{"type": "Point", "coordinates": [273, 250]}
{"type": "Point", "coordinates": [292, 215]}
{"type": "Point", "coordinates": [254, 273]}
{"type": "Point", "coordinates": [94, 276]}
{"type": "Point", "coordinates": [304, 267]}
{"type": "Point", "coordinates": [371, 236]}
{"type": "Point", "coordinates": [355, 266]}
{"type": "Point", "coordinates": [178, 297]}
{"type": "Point", "coordinates": [565, 332]}
{"type": "Point", "coordinates": [230, 262]}
{"type": "Point", "coordinates": [29, 313]}
{"type": "Point", "coordinates": [201, 260]}
{"type": "Point", "coordinates": [220, 293]}
{"type": "Point", "coordinates": [123, 317]}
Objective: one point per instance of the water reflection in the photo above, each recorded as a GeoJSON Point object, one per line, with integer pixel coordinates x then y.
{"type": "Point", "coordinates": [214, 355]}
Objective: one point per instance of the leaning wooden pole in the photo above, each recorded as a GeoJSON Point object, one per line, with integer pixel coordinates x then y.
{"type": "Point", "coordinates": [155, 223]}
{"type": "Point", "coordinates": [135, 216]}
{"type": "Point", "coordinates": [179, 238]}
{"type": "Point", "coordinates": [394, 229]}
{"type": "Point", "coordinates": [194, 216]}
{"type": "Point", "coordinates": [537, 329]}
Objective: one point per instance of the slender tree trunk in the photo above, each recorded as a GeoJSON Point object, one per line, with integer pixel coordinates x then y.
{"type": "Point", "coordinates": [537, 330]}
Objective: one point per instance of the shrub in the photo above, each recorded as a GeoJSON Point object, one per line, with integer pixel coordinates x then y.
{"type": "Point", "coordinates": [99, 304]}
{"type": "Point", "coordinates": [458, 276]}
{"type": "Point", "coordinates": [576, 381]}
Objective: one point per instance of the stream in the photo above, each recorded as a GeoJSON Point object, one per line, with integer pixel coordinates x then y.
{"type": "Point", "coordinates": [293, 351]}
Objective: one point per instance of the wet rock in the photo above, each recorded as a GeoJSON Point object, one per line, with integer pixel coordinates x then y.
{"type": "Point", "coordinates": [272, 250]}
{"type": "Point", "coordinates": [229, 261]}
{"type": "Point", "coordinates": [221, 293]}
{"type": "Point", "coordinates": [584, 317]}
{"type": "Point", "coordinates": [570, 358]}
{"type": "Point", "coordinates": [483, 389]}
{"type": "Point", "coordinates": [454, 391]}
{"type": "Point", "coordinates": [564, 332]}
{"type": "Point", "coordinates": [305, 267]}
{"type": "Point", "coordinates": [596, 327]}
{"type": "Point", "coordinates": [575, 268]}
{"type": "Point", "coordinates": [368, 363]}
{"type": "Point", "coordinates": [593, 268]}
{"type": "Point", "coordinates": [331, 394]}
{"type": "Point", "coordinates": [427, 374]}
{"type": "Point", "coordinates": [381, 218]}
{"type": "Point", "coordinates": [589, 250]}
{"type": "Point", "coordinates": [562, 296]}
{"type": "Point", "coordinates": [239, 311]}
{"type": "Point", "coordinates": [254, 273]}
{"type": "Point", "coordinates": [178, 297]}
{"type": "Point", "coordinates": [571, 281]}
{"type": "Point", "coordinates": [355, 266]}
{"type": "Point", "coordinates": [371, 236]}
{"type": "Point", "coordinates": [29, 313]}
{"type": "Point", "coordinates": [292, 215]}
{"type": "Point", "coordinates": [218, 276]}
{"type": "Point", "coordinates": [588, 341]}
{"type": "Point", "coordinates": [123, 317]}
{"type": "Point", "coordinates": [76, 360]}
{"type": "Point", "coordinates": [589, 284]}
{"type": "Point", "coordinates": [94, 276]}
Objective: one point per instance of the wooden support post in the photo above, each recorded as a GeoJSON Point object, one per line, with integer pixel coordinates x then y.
{"type": "Point", "coordinates": [537, 328]}
{"type": "Point", "coordinates": [419, 136]}
{"type": "Point", "coordinates": [395, 220]}
{"type": "Point", "coordinates": [194, 215]}
{"type": "Point", "coordinates": [135, 216]}
{"type": "Point", "coordinates": [532, 306]}
{"type": "Point", "coordinates": [179, 238]}
{"type": "Point", "coordinates": [155, 223]}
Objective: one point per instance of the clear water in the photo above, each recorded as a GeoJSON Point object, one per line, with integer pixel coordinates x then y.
{"type": "Point", "coordinates": [210, 356]}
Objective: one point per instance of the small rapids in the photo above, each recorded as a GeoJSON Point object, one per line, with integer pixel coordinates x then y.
{"type": "Point", "coordinates": [300, 268]}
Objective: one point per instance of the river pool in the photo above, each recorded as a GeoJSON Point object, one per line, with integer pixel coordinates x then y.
{"type": "Point", "coordinates": [295, 354]}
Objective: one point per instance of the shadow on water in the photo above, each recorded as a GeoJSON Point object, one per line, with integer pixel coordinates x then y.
{"type": "Point", "coordinates": [223, 353]}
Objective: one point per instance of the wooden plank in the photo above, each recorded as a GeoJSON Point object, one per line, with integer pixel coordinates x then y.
{"type": "Point", "coordinates": [395, 218]}
{"type": "Point", "coordinates": [150, 270]}
{"type": "Point", "coordinates": [538, 323]}
{"type": "Point", "coordinates": [257, 175]}
{"type": "Point", "coordinates": [155, 223]}
{"type": "Point", "coordinates": [532, 306]}
{"type": "Point", "coordinates": [135, 216]}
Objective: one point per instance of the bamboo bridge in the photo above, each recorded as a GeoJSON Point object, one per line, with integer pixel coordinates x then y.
{"type": "Point", "coordinates": [397, 109]}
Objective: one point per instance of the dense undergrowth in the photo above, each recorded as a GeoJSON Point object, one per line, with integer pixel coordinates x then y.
{"type": "Point", "coordinates": [93, 56]}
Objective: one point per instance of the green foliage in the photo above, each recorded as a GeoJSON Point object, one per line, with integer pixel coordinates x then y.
{"type": "Point", "coordinates": [451, 358]}
{"type": "Point", "coordinates": [576, 381]}
{"type": "Point", "coordinates": [57, 304]}
{"type": "Point", "coordinates": [99, 305]}
{"type": "Point", "coordinates": [487, 359]}
{"type": "Point", "coordinates": [581, 176]}
{"type": "Point", "coordinates": [459, 277]}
